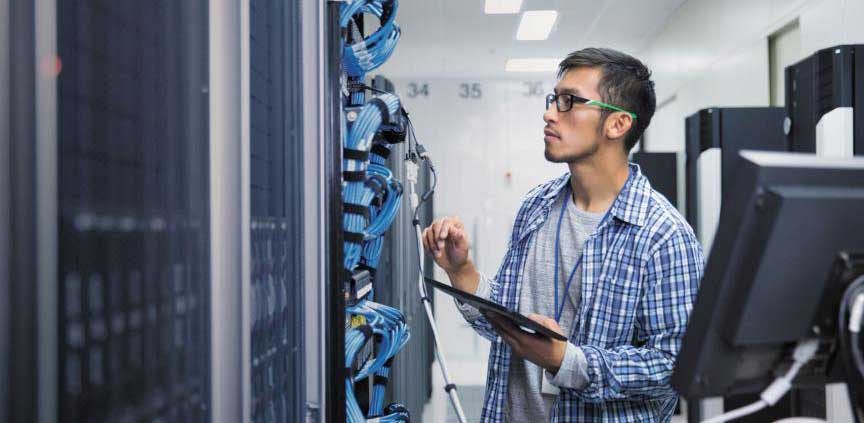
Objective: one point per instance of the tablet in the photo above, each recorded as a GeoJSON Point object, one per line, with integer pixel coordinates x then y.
{"type": "Point", "coordinates": [483, 304]}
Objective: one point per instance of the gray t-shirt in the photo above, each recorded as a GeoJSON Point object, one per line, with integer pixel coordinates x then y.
{"type": "Point", "coordinates": [537, 295]}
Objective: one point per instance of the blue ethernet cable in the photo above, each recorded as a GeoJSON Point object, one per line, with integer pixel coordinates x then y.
{"type": "Point", "coordinates": [381, 217]}
{"type": "Point", "coordinates": [361, 192]}
{"type": "Point", "coordinates": [376, 404]}
{"type": "Point", "coordinates": [368, 54]}
{"type": "Point", "coordinates": [392, 201]}
{"type": "Point", "coordinates": [387, 326]}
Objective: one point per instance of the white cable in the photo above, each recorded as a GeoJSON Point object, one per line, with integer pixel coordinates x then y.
{"type": "Point", "coordinates": [411, 176]}
{"type": "Point", "coordinates": [856, 313]}
{"type": "Point", "coordinates": [804, 351]}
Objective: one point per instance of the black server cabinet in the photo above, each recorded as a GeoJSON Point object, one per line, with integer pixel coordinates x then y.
{"type": "Point", "coordinates": [396, 285]}
{"type": "Point", "coordinates": [276, 167]}
{"type": "Point", "coordinates": [335, 277]}
{"type": "Point", "coordinates": [730, 129]}
{"type": "Point", "coordinates": [661, 169]}
{"type": "Point", "coordinates": [19, 300]}
{"type": "Point", "coordinates": [829, 79]}
{"type": "Point", "coordinates": [134, 285]}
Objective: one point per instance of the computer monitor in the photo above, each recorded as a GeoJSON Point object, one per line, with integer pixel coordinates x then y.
{"type": "Point", "coordinates": [768, 281]}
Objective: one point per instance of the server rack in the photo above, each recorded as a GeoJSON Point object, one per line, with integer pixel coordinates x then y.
{"type": "Point", "coordinates": [729, 130]}
{"type": "Point", "coordinates": [21, 365]}
{"type": "Point", "coordinates": [133, 308]}
{"type": "Point", "coordinates": [276, 184]}
{"type": "Point", "coordinates": [661, 169]}
{"type": "Point", "coordinates": [108, 195]}
{"type": "Point", "coordinates": [825, 100]}
{"type": "Point", "coordinates": [396, 285]}
{"type": "Point", "coordinates": [5, 218]}
{"type": "Point", "coordinates": [334, 277]}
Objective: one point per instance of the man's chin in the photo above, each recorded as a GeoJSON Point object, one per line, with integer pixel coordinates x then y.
{"type": "Point", "coordinates": [555, 158]}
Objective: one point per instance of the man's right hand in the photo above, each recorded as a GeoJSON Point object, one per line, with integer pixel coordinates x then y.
{"type": "Point", "coordinates": [446, 241]}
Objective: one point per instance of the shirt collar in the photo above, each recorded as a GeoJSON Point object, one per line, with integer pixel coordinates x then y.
{"type": "Point", "coordinates": [631, 204]}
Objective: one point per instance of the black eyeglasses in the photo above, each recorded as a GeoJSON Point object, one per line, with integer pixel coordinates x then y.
{"type": "Point", "coordinates": [565, 102]}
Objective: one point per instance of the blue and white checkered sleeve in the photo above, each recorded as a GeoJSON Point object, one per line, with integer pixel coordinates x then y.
{"type": "Point", "coordinates": [644, 370]}
{"type": "Point", "coordinates": [489, 289]}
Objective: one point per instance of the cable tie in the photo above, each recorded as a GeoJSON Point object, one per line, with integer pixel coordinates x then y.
{"type": "Point", "coordinates": [354, 237]}
{"type": "Point", "coordinates": [380, 150]}
{"type": "Point", "coordinates": [352, 154]}
{"type": "Point", "coordinates": [354, 175]}
{"type": "Point", "coordinates": [356, 209]}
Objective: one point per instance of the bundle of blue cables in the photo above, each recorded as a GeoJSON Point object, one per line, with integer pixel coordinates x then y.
{"type": "Point", "coordinates": [372, 198]}
{"type": "Point", "coordinates": [388, 328]}
{"type": "Point", "coordinates": [381, 216]}
{"type": "Point", "coordinates": [373, 181]}
{"type": "Point", "coordinates": [368, 54]}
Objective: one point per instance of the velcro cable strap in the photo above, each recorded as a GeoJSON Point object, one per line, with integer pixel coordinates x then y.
{"type": "Point", "coordinates": [356, 209]}
{"type": "Point", "coordinates": [359, 155]}
{"type": "Point", "coordinates": [380, 380]}
{"type": "Point", "coordinates": [354, 237]}
{"type": "Point", "coordinates": [382, 107]}
{"type": "Point", "coordinates": [381, 150]}
{"type": "Point", "coordinates": [354, 175]}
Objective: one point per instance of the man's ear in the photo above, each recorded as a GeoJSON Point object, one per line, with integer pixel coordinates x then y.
{"type": "Point", "coordinates": [618, 124]}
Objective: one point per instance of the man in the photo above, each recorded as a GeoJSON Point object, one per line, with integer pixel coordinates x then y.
{"type": "Point", "coordinates": [595, 254]}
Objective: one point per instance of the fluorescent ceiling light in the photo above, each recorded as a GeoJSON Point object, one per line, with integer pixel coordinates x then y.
{"type": "Point", "coordinates": [494, 7]}
{"type": "Point", "coordinates": [532, 65]}
{"type": "Point", "coordinates": [536, 25]}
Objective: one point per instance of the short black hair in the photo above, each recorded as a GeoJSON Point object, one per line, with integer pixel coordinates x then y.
{"type": "Point", "coordinates": [625, 82]}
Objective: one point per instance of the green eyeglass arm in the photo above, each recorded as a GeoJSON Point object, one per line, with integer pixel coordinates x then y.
{"type": "Point", "coordinates": [609, 106]}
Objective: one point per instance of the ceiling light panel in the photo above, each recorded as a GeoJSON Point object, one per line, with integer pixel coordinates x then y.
{"type": "Point", "coordinates": [497, 7]}
{"type": "Point", "coordinates": [536, 25]}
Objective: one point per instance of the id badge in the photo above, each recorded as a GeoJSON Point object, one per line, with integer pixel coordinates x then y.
{"type": "Point", "coordinates": [547, 387]}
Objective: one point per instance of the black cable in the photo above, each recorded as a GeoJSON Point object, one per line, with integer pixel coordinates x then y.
{"type": "Point", "coordinates": [367, 87]}
{"type": "Point", "coordinates": [416, 150]}
{"type": "Point", "coordinates": [852, 291]}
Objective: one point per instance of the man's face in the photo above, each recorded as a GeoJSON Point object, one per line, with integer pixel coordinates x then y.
{"type": "Point", "coordinates": [574, 134]}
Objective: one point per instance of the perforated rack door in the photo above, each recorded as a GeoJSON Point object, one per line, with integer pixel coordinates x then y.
{"type": "Point", "coordinates": [277, 212]}
{"type": "Point", "coordinates": [133, 209]}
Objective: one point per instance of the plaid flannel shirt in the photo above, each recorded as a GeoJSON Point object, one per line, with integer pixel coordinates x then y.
{"type": "Point", "coordinates": [640, 273]}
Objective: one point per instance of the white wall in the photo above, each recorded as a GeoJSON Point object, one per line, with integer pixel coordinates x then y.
{"type": "Point", "coordinates": [714, 53]}
{"type": "Point", "coordinates": [474, 144]}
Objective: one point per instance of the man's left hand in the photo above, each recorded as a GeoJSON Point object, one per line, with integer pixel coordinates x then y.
{"type": "Point", "coordinates": [536, 348]}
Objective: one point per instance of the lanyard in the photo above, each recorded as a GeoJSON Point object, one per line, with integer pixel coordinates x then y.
{"type": "Point", "coordinates": [567, 190]}
{"type": "Point", "coordinates": [560, 310]}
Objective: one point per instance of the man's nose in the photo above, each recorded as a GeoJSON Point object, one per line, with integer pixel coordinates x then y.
{"type": "Point", "coordinates": [551, 114]}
